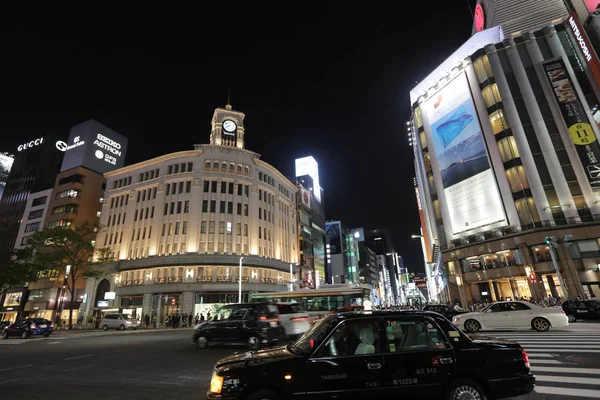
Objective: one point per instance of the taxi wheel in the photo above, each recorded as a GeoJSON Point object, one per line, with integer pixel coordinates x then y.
{"type": "Point", "coordinates": [465, 389]}
{"type": "Point", "coordinates": [472, 326]}
{"type": "Point", "coordinates": [540, 324]}
{"type": "Point", "coordinates": [24, 335]}
{"type": "Point", "coordinates": [253, 342]}
{"type": "Point", "coordinates": [263, 395]}
{"type": "Point", "coordinates": [202, 342]}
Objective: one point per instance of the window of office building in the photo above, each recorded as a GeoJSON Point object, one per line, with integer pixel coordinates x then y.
{"type": "Point", "coordinates": [508, 148]}
{"type": "Point", "coordinates": [491, 95]}
{"type": "Point", "coordinates": [527, 212]}
{"type": "Point", "coordinates": [483, 68]}
{"type": "Point", "coordinates": [517, 178]}
{"type": "Point", "coordinates": [498, 121]}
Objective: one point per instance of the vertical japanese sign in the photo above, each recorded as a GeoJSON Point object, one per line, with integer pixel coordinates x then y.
{"type": "Point", "coordinates": [581, 132]}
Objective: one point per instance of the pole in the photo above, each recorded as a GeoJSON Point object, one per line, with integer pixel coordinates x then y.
{"type": "Point", "coordinates": [240, 282]}
{"type": "Point", "coordinates": [562, 284]}
{"type": "Point", "coordinates": [291, 279]}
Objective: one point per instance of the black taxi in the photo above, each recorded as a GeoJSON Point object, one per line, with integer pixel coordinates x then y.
{"type": "Point", "coordinates": [384, 353]}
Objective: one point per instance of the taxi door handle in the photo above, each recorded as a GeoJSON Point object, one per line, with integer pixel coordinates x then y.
{"type": "Point", "coordinates": [374, 365]}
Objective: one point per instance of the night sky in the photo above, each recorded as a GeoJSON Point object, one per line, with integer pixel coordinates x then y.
{"type": "Point", "coordinates": [328, 82]}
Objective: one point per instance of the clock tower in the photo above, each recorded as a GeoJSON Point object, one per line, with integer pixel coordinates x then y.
{"type": "Point", "coordinates": [227, 128]}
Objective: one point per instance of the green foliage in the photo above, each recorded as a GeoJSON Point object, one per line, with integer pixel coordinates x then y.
{"type": "Point", "coordinates": [16, 269]}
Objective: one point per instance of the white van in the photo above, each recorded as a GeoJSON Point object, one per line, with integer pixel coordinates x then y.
{"type": "Point", "coordinates": [119, 322]}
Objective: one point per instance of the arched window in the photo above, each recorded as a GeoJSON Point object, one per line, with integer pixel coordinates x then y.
{"type": "Point", "coordinates": [216, 166]}
{"type": "Point", "coordinates": [207, 166]}
{"type": "Point", "coordinates": [246, 171]}
{"type": "Point", "coordinates": [103, 287]}
{"type": "Point", "coordinates": [224, 167]}
{"type": "Point", "coordinates": [239, 169]}
{"type": "Point", "coordinates": [232, 168]}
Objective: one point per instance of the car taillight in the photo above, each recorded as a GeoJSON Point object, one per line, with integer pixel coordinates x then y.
{"type": "Point", "coordinates": [525, 358]}
{"type": "Point", "coordinates": [299, 319]}
{"type": "Point", "coordinates": [562, 312]}
{"type": "Point", "coordinates": [33, 326]}
{"type": "Point", "coordinates": [52, 325]}
{"type": "Point", "coordinates": [263, 318]}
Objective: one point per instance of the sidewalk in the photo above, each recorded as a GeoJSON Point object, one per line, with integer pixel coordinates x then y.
{"type": "Point", "coordinates": [100, 332]}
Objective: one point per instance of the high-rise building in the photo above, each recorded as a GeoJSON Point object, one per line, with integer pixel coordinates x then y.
{"type": "Point", "coordinates": [311, 215]}
{"type": "Point", "coordinates": [506, 155]}
{"type": "Point", "coordinates": [181, 225]}
{"type": "Point", "coordinates": [36, 163]}
{"type": "Point", "coordinates": [367, 263]}
{"type": "Point", "coordinates": [342, 254]}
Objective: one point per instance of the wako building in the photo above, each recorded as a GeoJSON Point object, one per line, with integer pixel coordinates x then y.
{"type": "Point", "coordinates": [180, 225]}
{"type": "Point", "coordinates": [507, 154]}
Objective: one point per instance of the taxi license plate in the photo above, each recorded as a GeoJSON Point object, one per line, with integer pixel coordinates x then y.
{"type": "Point", "coordinates": [273, 324]}
{"type": "Point", "coordinates": [43, 326]}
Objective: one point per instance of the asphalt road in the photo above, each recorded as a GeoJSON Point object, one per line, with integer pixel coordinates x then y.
{"type": "Point", "coordinates": [166, 365]}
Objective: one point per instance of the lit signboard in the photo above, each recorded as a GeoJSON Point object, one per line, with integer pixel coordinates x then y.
{"type": "Point", "coordinates": [358, 234]}
{"type": "Point", "coordinates": [94, 146]}
{"type": "Point", "coordinates": [472, 198]}
{"type": "Point", "coordinates": [308, 166]}
{"type": "Point", "coordinates": [30, 144]}
{"type": "Point", "coordinates": [592, 4]}
{"type": "Point", "coordinates": [6, 162]}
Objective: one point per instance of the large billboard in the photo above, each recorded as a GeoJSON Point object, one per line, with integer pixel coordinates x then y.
{"type": "Point", "coordinates": [309, 166]}
{"type": "Point", "coordinates": [592, 4]}
{"type": "Point", "coordinates": [460, 156]}
{"type": "Point", "coordinates": [334, 237]}
{"type": "Point", "coordinates": [93, 146]}
{"type": "Point", "coordinates": [6, 162]}
{"type": "Point", "coordinates": [575, 117]}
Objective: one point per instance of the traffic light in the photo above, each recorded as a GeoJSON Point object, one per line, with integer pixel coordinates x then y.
{"type": "Point", "coordinates": [547, 240]}
{"type": "Point", "coordinates": [532, 277]}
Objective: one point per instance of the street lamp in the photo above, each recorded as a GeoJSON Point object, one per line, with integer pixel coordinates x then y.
{"type": "Point", "coordinates": [240, 282]}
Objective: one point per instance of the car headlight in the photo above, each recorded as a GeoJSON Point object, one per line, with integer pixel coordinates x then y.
{"type": "Point", "coordinates": [216, 383]}
{"type": "Point", "coordinates": [128, 322]}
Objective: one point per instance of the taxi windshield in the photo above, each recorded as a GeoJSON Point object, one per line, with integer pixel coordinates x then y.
{"type": "Point", "coordinates": [311, 339]}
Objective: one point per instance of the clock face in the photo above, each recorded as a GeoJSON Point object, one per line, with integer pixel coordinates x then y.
{"type": "Point", "coordinates": [479, 18]}
{"type": "Point", "coordinates": [229, 125]}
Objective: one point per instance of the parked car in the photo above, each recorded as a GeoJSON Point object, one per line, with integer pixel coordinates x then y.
{"type": "Point", "coordinates": [383, 354]}
{"type": "Point", "coordinates": [293, 318]}
{"type": "Point", "coordinates": [28, 327]}
{"type": "Point", "coordinates": [4, 324]}
{"type": "Point", "coordinates": [512, 315]}
{"type": "Point", "coordinates": [444, 309]}
{"type": "Point", "coordinates": [581, 309]}
{"type": "Point", "coordinates": [252, 324]}
{"type": "Point", "coordinates": [119, 322]}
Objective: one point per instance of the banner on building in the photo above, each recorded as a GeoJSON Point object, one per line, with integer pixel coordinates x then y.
{"type": "Point", "coordinates": [472, 198]}
{"type": "Point", "coordinates": [305, 197]}
{"type": "Point", "coordinates": [581, 132]}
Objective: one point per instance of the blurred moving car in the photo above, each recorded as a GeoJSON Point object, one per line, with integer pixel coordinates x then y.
{"type": "Point", "coordinates": [444, 309]}
{"type": "Point", "coordinates": [293, 318]}
{"type": "Point", "coordinates": [119, 322]}
{"type": "Point", "coordinates": [252, 324]}
{"type": "Point", "coordinates": [387, 355]}
{"type": "Point", "coordinates": [28, 327]}
{"type": "Point", "coordinates": [581, 309]}
{"type": "Point", "coordinates": [512, 315]}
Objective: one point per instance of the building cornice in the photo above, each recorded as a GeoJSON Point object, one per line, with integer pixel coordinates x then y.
{"type": "Point", "coordinates": [153, 161]}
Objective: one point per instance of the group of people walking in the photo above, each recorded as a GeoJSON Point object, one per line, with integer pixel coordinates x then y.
{"type": "Point", "coordinates": [177, 320]}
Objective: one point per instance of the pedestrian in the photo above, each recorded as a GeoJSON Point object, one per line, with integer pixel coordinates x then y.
{"type": "Point", "coordinates": [147, 320]}
{"type": "Point", "coordinates": [201, 317]}
{"type": "Point", "coordinates": [190, 318]}
{"type": "Point", "coordinates": [155, 321]}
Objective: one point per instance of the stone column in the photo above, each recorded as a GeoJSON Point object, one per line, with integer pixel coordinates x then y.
{"type": "Point", "coordinates": [147, 306]}
{"type": "Point", "coordinates": [187, 302]}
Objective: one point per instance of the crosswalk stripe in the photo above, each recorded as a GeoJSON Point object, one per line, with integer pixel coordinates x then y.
{"type": "Point", "coordinates": [559, 350]}
{"type": "Point", "coordinates": [593, 394]}
{"type": "Point", "coordinates": [567, 379]}
{"type": "Point", "coordinates": [541, 355]}
{"type": "Point", "coordinates": [534, 362]}
{"type": "Point", "coordinates": [564, 346]}
{"type": "Point", "coordinates": [563, 370]}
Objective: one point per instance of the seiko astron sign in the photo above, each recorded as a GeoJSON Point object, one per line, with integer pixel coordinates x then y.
{"type": "Point", "coordinates": [94, 146]}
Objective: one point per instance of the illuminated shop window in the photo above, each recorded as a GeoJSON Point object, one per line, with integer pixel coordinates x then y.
{"type": "Point", "coordinates": [423, 140]}
{"type": "Point", "coordinates": [498, 121]}
{"type": "Point", "coordinates": [527, 212]}
{"type": "Point", "coordinates": [517, 178]}
{"type": "Point", "coordinates": [491, 95]}
{"type": "Point", "coordinates": [418, 119]}
{"type": "Point", "coordinates": [508, 149]}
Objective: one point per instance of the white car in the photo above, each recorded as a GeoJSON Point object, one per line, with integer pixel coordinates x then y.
{"type": "Point", "coordinates": [512, 315]}
{"type": "Point", "coordinates": [294, 319]}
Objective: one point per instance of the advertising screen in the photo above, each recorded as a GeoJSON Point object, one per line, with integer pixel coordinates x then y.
{"type": "Point", "coordinates": [6, 163]}
{"type": "Point", "coordinates": [334, 237]}
{"type": "Point", "coordinates": [460, 155]}
{"type": "Point", "coordinates": [93, 146]}
{"type": "Point", "coordinates": [592, 4]}
{"type": "Point", "coordinates": [308, 166]}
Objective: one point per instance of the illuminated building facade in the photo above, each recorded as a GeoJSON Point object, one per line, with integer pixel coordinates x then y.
{"type": "Point", "coordinates": [179, 226]}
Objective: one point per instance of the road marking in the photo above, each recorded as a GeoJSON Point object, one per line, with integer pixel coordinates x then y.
{"type": "Point", "coordinates": [10, 380]}
{"type": "Point", "coordinates": [53, 342]}
{"type": "Point", "coordinates": [563, 370]}
{"type": "Point", "coordinates": [567, 379]}
{"type": "Point", "coordinates": [17, 367]}
{"type": "Point", "coordinates": [78, 357]}
{"type": "Point", "coordinates": [541, 355]}
{"type": "Point", "coordinates": [556, 350]}
{"type": "Point", "coordinates": [581, 393]}
{"type": "Point", "coordinates": [122, 350]}
{"type": "Point", "coordinates": [79, 368]}
{"type": "Point", "coordinates": [533, 361]}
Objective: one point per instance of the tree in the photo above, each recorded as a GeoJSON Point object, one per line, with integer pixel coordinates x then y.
{"type": "Point", "coordinates": [70, 250]}
{"type": "Point", "coordinates": [16, 269]}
